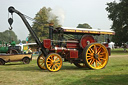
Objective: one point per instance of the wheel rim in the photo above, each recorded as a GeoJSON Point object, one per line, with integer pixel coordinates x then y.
{"type": "Point", "coordinates": [41, 62]}
{"type": "Point", "coordinates": [1, 63]}
{"type": "Point", "coordinates": [53, 62]}
{"type": "Point", "coordinates": [26, 61]}
{"type": "Point", "coordinates": [96, 56]}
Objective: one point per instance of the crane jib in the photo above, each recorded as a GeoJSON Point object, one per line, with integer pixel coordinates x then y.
{"type": "Point", "coordinates": [13, 10]}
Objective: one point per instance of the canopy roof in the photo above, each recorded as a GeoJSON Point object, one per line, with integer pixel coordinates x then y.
{"type": "Point", "coordinates": [88, 31]}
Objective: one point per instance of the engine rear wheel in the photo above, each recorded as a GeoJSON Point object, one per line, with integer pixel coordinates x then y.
{"type": "Point", "coordinates": [41, 62]}
{"type": "Point", "coordinates": [53, 62]}
{"type": "Point", "coordinates": [95, 56]}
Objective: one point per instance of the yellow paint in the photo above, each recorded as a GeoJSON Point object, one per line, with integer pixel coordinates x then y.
{"type": "Point", "coordinates": [70, 30]}
{"type": "Point", "coordinates": [41, 62]}
{"type": "Point", "coordinates": [95, 32]}
{"type": "Point", "coordinates": [78, 30]}
{"type": "Point", "coordinates": [102, 56]}
{"type": "Point", "coordinates": [85, 31]}
{"type": "Point", "coordinates": [53, 62]}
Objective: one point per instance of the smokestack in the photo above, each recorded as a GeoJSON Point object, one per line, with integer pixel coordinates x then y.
{"type": "Point", "coordinates": [51, 30]}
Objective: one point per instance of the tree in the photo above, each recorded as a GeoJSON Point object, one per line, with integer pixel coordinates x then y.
{"type": "Point", "coordinates": [23, 41]}
{"type": "Point", "coordinates": [118, 13]}
{"type": "Point", "coordinates": [8, 36]}
{"type": "Point", "coordinates": [41, 23]}
{"type": "Point", "coordinates": [85, 25]}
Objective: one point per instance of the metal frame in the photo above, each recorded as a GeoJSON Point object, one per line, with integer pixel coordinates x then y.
{"type": "Point", "coordinates": [12, 10]}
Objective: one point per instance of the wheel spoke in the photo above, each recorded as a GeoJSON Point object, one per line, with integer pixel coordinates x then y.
{"type": "Point", "coordinates": [53, 62]}
{"type": "Point", "coordinates": [102, 53]}
{"type": "Point", "coordinates": [96, 63]}
{"type": "Point", "coordinates": [92, 51]}
{"type": "Point", "coordinates": [53, 66]}
{"type": "Point", "coordinates": [57, 61]}
{"type": "Point", "coordinates": [102, 59]}
{"type": "Point", "coordinates": [99, 50]}
{"type": "Point", "coordinates": [99, 60]}
{"type": "Point", "coordinates": [99, 63]}
{"type": "Point", "coordinates": [92, 62]}
{"type": "Point", "coordinates": [95, 49]}
{"type": "Point", "coordinates": [89, 58]}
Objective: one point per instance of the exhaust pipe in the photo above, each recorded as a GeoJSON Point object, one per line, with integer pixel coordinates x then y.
{"type": "Point", "coordinates": [51, 30]}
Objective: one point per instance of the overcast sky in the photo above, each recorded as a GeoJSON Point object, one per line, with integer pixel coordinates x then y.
{"type": "Point", "coordinates": [70, 13]}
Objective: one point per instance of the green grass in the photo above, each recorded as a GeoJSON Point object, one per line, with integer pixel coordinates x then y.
{"type": "Point", "coordinates": [119, 51]}
{"type": "Point", "coordinates": [115, 73]}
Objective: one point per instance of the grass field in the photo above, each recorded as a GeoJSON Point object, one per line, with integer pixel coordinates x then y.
{"type": "Point", "coordinates": [115, 73]}
{"type": "Point", "coordinates": [119, 52]}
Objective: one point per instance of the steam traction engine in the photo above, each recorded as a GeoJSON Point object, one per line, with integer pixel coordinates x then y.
{"type": "Point", "coordinates": [79, 47]}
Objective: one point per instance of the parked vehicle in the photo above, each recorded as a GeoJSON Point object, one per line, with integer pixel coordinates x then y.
{"type": "Point", "coordinates": [12, 53]}
{"type": "Point", "coordinates": [5, 58]}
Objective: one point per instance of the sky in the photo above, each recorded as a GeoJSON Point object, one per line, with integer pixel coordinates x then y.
{"type": "Point", "coordinates": [70, 13]}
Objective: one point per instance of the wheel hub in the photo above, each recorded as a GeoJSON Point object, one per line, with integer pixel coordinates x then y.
{"type": "Point", "coordinates": [96, 56]}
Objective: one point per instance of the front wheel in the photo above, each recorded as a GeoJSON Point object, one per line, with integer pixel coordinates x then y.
{"type": "Point", "coordinates": [53, 62]}
{"type": "Point", "coordinates": [26, 60]}
{"type": "Point", "coordinates": [41, 62]}
{"type": "Point", "coordinates": [2, 62]}
{"type": "Point", "coordinates": [95, 56]}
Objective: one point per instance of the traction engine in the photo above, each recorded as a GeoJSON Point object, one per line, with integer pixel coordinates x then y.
{"type": "Point", "coordinates": [82, 52]}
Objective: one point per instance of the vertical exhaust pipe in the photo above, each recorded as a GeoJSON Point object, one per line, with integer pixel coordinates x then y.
{"type": "Point", "coordinates": [51, 30]}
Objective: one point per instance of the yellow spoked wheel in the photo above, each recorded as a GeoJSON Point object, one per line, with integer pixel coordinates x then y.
{"type": "Point", "coordinates": [41, 62]}
{"type": "Point", "coordinates": [53, 62]}
{"type": "Point", "coordinates": [95, 56]}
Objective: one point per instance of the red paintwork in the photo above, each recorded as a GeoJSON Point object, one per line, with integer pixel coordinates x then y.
{"type": "Point", "coordinates": [72, 45]}
{"type": "Point", "coordinates": [70, 51]}
{"type": "Point", "coordinates": [47, 43]}
{"type": "Point", "coordinates": [109, 51]}
{"type": "Point", "coordinates": [105, 44]}
{"type": "Point", "coordinates": [74, 54]}
{"type": "Point", "coordinates": [84, 39]}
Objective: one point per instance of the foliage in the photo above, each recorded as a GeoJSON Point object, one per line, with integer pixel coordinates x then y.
{"type": "Point", "coordinates": [118, 13]}
{"type": "Point", "coordinates": [41, 23]}
{"type": "Point", "coordinates": [7, 36]}
{"type": "Point", "coordinates": [85, 25]}
{"type": "Point", "coordinates": [23, 41]}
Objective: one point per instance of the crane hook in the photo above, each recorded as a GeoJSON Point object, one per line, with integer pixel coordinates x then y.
{"type": "Point", "coordinates": [10, 21]}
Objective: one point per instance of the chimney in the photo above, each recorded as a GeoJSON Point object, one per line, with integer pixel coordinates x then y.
{"type": "Point", "coordinates": [51, 30]}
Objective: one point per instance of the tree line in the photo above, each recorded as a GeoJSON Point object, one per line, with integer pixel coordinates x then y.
{"type": "Point", "coordinates": [117, 12]}
{"type": "Point", "coordinates": [7, 36]}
